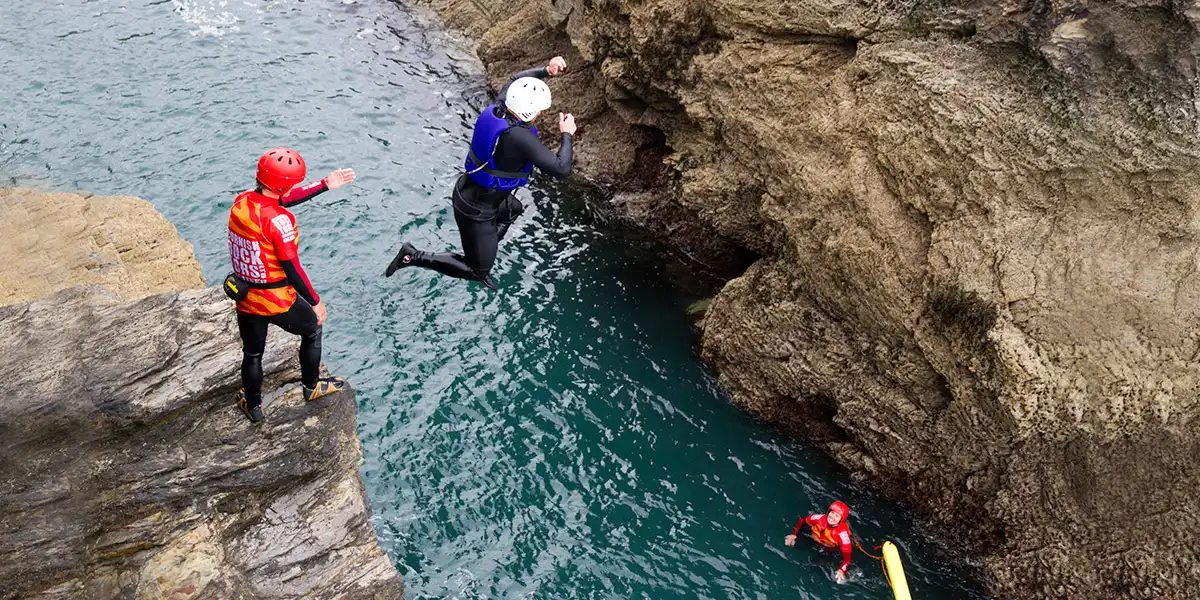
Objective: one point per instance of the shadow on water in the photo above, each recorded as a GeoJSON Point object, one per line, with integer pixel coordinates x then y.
{"type": "Point", "coordinates": [556, 439]}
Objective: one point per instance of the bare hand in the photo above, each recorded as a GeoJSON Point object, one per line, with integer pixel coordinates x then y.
{"type": "Point", "coordinates": [557, 66]}
{"type": "Point", "coordinates": [339, 178]}
{"type": "Point", "coordinates": [320, 310]}
{"type": "Point", "coordinates": [566, 123]}
{"type": "Point", "coordinates": [840, 577]}
{"type": "Point", "coordinates": [789, 540]}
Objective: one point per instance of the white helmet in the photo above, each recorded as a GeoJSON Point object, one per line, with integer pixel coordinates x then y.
{"type": "Point", "coordinates": [527, 97]}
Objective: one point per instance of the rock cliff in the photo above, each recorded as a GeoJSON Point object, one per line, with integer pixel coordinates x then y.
{"type": "Point", "coordinates": [977, 232]}
{"type": "Point", "coordinates": [56, 240]}
{"type": "Point", "coordinates": [127, 471]}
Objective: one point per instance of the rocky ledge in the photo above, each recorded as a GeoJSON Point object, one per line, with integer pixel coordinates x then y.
{"type": "Point", "coordinates": [128, 472]}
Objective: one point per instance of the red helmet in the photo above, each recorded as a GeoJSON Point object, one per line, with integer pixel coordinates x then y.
{"type": "Point", "coordinates": [840, 508]}
{"type": "Point", "coordinates": [280, 169]}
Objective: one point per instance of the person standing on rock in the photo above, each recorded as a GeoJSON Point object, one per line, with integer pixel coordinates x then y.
{"type": "Point", "coordinates": [831, 531]}
{"type": "Point", "coordinates": [504, 150]}
{"type": "Point", "coordinates": [268, 283]}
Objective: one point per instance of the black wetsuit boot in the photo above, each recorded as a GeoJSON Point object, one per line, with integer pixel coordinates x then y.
{"type": "Point", "coordinates": [446, 263]}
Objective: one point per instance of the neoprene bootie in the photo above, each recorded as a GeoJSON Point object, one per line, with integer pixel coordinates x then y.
{"type": "Point", "coordinates": [325, 386]}
{"type": "Point", "coordinates": [254, 413]}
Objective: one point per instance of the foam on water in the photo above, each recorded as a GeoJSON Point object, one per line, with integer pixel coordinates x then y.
{"type": "Point", "coordinates": [209, 16]}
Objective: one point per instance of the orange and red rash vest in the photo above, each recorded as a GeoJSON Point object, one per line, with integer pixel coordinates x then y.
{"type": "Point", "coordinates": [262, 234]}
{"type": "Point", "coordinates": [829, 537]}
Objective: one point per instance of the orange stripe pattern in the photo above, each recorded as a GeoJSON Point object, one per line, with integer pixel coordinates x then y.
{"type": "Point", "coordinates": [255, 256]}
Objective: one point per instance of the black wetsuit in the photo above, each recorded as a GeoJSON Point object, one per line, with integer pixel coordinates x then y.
{"type": "Point", "coordinates": [484, 214]}
{"type": "Point", "coordinates": [299, 320]}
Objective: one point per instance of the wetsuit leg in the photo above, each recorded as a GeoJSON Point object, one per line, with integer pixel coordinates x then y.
{"type": "Point", "coordinates": [477, 227]}
{"type": "Point", "coordinates": [253, 330]}
{"type": "Point", "coordinates": [301, 320]}
{"type": "Point", "coordinates": [480, 241]}
{"type": "Point", "coordinates": [446, 263]}
{"type": "Point", "coordinates": [510, 209]}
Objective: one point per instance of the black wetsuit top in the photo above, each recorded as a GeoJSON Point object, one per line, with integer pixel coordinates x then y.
{"type": "Point", "coordinates": [517, 147]}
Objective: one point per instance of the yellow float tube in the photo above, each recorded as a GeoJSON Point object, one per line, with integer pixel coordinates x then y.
{"type": "Point", "coordinates": [895, 571]}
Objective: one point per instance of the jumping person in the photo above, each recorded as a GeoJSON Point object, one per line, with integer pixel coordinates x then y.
{"type": "Point", "coordinates": [831, 531]}
{"type": "Point", "coordinates": [504, 150]}
{"type": "Point", "coordinates": [270, 286]}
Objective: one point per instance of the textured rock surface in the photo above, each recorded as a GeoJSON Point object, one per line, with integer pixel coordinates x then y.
{"type": "Point", "coordinates": [125, 469]}
{"type": "Point", "coordinates": [128, 473]}
{"type": "Point", "coordinates": [977, 224]}
{"type": "Point", "coordinates": [56, 240]}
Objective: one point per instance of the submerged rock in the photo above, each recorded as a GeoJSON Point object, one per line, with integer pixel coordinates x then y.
{"type": "Point", "coordinates": [128, 472]}
{"type": "Point", "coordinates": [977, 225]}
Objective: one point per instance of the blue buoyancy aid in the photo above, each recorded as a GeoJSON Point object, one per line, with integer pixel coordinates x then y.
{"type": "Point", "coordinates": [481, 164]}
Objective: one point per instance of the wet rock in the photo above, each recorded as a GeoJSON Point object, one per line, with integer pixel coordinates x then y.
{"type": "Point", "coordinates": [977, 239]}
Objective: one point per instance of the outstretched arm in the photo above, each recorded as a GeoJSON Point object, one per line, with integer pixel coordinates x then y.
{"type": "Point", "coordinates": [556, 66]}
{"type": "Point", "coordinates": [800, 524]}
{"type": "Point", "coordinates": [791, 539]}
{"type": "Point", "coordinates": [810, 519]}
{"type": "Point", "coordinates": [304, 193]}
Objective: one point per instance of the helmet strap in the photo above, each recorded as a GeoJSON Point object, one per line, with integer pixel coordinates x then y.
{"type": "Point", "coordinates": [262, 187]}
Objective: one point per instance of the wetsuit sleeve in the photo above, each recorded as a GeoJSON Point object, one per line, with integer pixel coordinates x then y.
{"type": "Point", "coordinates": [847, 551]}
{"type": "Point", "coordinates": [803, 521]}
{"type": "Point", "coordinates": [540, 73]}
{"type": "Point", "coordinates": [282, 230]}
{"type": "Point", "coordinates": [298, 279]}
{"type": "Point", "coordinates": [526, 144]}
{"type": "Point", "coordinates": [303, 193]}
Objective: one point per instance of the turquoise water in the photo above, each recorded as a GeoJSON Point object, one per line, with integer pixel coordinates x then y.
{"type": "Point", "coordinates": [558, 439]}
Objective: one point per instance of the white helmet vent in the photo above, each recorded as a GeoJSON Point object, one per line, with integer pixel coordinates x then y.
{"type": "Point", "coordinates": [527, 97]}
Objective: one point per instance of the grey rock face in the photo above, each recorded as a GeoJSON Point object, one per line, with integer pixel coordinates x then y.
{"type": "Point", "coordinates": [128, 472]}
